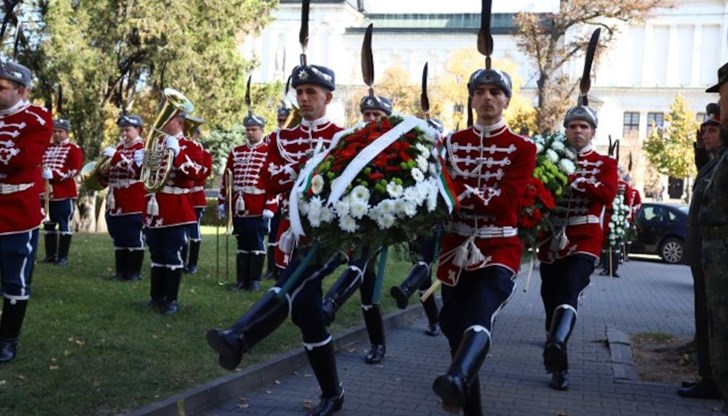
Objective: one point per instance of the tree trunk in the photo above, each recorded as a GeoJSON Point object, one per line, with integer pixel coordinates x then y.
{"type": "Point", "coordinates": [84, 217]}
{"type": "Point", "coordinates": [101, 218]}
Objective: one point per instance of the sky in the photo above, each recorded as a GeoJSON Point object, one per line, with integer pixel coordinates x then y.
{"type": "Point", "coordinates": [460, 6]}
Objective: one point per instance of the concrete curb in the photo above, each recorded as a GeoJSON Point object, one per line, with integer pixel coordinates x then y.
{"type": "Point", "coordinates": [621, 353]}
{"type": "Point", "coordinates": [208, 395]}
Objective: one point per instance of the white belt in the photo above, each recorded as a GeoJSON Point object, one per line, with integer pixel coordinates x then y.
{"type": "Point", "coordinates": [197, 188]}
{"type": "Point", "coordinates": [123, 183]}
{"type": "Point", "coordinates": [6, 188]}
{"type": "Point", "coordinates": [249, 190]}
{"type": "Point", "coordinates": [578, 220]}
{"type": "Point", "coordinates": [175, 190]}
{"type": "Point", "coordinates": [465, 230]}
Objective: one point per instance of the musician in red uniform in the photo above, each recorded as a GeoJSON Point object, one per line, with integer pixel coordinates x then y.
{"type": "Point", "coordinates": [481, 252]}
{"type": "Point", "coordinates": [289, 149]}
{"type": "Point", "coordinates": [25, 131]}
{"type": "Point", "coordinates": [125, 198]}
{"type": "Point", "coordinates": [62, 160]}
{"type": "Point", "coordinates": [199, 202]}
{"type": "Point", "coordinates": [169, 213]}
{"type": "Point", "coordinates": [567, 263]}
{"type": "Point", "coordinates": [250, 209]}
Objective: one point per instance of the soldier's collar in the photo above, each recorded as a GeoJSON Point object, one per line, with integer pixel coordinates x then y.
{"type": "Point", "coordinates": [14, 109]}
{"type": "Point", "coordinates": [586, 150]}
{"type": "Point", "coordinates": [315, 123]}
{"type": "Point", "coordinates": [489, 130]}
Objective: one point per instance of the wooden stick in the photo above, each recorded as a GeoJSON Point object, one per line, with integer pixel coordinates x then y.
{"type": "Point", "coordinates": [433, 287]}
{"type": "Point", "coordinates": [530, 271]}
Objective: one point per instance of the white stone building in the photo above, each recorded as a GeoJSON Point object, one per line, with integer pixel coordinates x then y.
{"type": "Point", "coordinates": [676, 51]}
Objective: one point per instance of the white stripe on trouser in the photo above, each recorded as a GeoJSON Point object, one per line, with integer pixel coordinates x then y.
{"type": "Point", "coordinates": [566, 306]}
{"type": "Point", "coordinates": [310, 346]}
{"type": "Point", "coordinates": [492, 318]}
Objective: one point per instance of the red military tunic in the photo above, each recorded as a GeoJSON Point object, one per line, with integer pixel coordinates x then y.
{"type": "Point", "coordinates": [288, 151]}
{"type": "Point", "coordinates": [249, 197]}
{"type": "Point", "coordinates": [489, 167]}
{"type": "Point", "coordinates": [199, 199]}
{"type": "Point", "coordinates": [622, 188]}
{"type": "Point", "coordinates": [25, 132]}
{"type": "Point", "coordinates": [172, 205]}
{"type": "Point", "coordinates": [633, 199]}
{"type": "Point", "coordinates": [586, 205]}
{"type": "Point", "coordinates": [126, 192]}
{"type": "Point", "coordinates": [65, 160]}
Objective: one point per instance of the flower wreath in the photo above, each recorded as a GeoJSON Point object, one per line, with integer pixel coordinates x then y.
{"type": "Point", "coordinates": [618, 223]}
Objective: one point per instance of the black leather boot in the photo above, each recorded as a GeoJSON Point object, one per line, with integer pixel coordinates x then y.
{"type": "Point", "coordinates": [555, 356]}
{"type": "Point", "coordinates": [430, 306]}
{"type": "Point", "coordinates": [10, 324]}
{"type": "Point", "coordinates": [255, 270]}
{"type": "Point", "coordinates": [265, 316]}
{"type": "Point", "coordinates": [345, 286]}
{"type": "Point", "coordinates": [156, 288]}
{"type": "Point", "coordinates": [173, 280]}
{"type": "Point", "coordinates": [135, 259]}
{"type": "Point", "coordinates": [417, 277]}
{"type": "Point", "coordinates": [191, 266]}
{"type": "Point", "coordinates": [454, 386]}
{"type": "Point", "coordinates": [51, 242]}
{"type": "Point", "coordinates": [64, 246]}
{"type": "Point", "coordinates": [119, 264]}
{"type": "Point", "coordinates": [323, 364]}
{"type": "Point", "coordinates": [375, 329]}
{"type": "Point", "coordinates": [473, 406]}
{"type": "Point", "coordinates": [271, 271]}
{"type": "Point", "coordinates": [242, 261]}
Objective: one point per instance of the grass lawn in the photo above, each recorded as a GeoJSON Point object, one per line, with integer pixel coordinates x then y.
{"type": "Point", "coordinates": [90, 347]}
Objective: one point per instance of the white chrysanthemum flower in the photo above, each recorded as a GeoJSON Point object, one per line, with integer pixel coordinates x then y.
{"type": "Point", "coordinates": [569, 154]}
{"type": "Point", "coordinates": [539, 147]}
{"type": "Point", "coordinates": [417, 175]}
{"type": "Point", "coordinates": [432, 194]}
{"type": "Point", "coordinates": [557, 146]}
{"type": "Point", "coordinates": [409, 208]}
{"type": "Point", "coordinates": [385, 221]}
{"type": "Point", "coordinates": [433, 169]}
{"type": "Point", "coordinates": [303, 206]}
{"type": "Point", "coordinates": [358, 208]}
{"type": "Point", "coordinates": [552, 156]}
{"type": "Point", "coordinates": [394, 189]}
{"type": "Point", "coordinates": [567, 166]}
{"type": "Point", "coordinates": [314, 211]}
{"type": "Point", "coordinates": [422, 149]}
{"type": "Point", "coordinates": [327, 215]}
{"type": "Point", "coordinates": [410, 194]}
{"type": "Point", "coordinates": [422, 162]}
{"type": "Point", "coordinates": [342, 207]}
{"type": "Point", "coordinates": [386, 206]}
{"type": "Point", "coordinates": [317, 184]}
{"type": "Point", "coordinates": [422, 189]}
{"type": "Point", "coordinates": [348, 224]}
{"type": "Point", "coordinates": [361, 193]}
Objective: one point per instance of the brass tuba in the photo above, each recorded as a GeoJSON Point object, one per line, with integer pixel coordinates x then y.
{"type": "Point", "coordinates": [157, 164]}
{"type": "Point", "coordinates": [191, 123]}
{"type": "Point", "coordinates": [91, 173]}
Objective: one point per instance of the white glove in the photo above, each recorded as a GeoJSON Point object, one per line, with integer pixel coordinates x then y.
{"type": "Point", "coordinates": [172, 144]}
{"type": "Point", "coordinates": [47, 173]}
{"type": "Point", "coordinates": [267, 214]}
{"type": "Point", "coordinates": [139, 157]}
{"type": "Point", "coordinates": [221, 212]}
{"type": "Point", "coordinates": [577, 181]}
{"type": "Point", "coordinates": [109, 152]}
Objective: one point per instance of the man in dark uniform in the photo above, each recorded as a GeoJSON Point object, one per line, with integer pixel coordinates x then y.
{"type": "Point", "coordinates": [481, 252]}
{"type": "Point", "coordinates": [715, 145]}
{"type": "Point", "coordinates": [713, 220]}
{"type": "Point", "coordinates": [289, 150]}
{"type": "Point", "coordinates": [251, 211]}
{"type": "Point", "coordinates": [567, 263]}
{"type": "Point", "coordinates": [25, 131]}
{"type": "Point", "coordinates": [125, 198]}
{"type": "Point", "coordinates": [62, 160]}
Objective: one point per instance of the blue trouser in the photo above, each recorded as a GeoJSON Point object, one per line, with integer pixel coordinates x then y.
{"type": "Point", "coordinates": [563, 281]}
{"type": "Point", "coordinates": [61, 213]}
{"type": "Point", "coordinates": [126, 231]}
{"type": "Point", "coordinates": [165, 245]}
{"type": "Point", "coordinates": [250, 233]}
{"type": "Point", "coordinates": [194, 232]}
{"type": "Point", "coordinates": [475, 300]}
{"type": "Point", "coordinates": [17, 255]}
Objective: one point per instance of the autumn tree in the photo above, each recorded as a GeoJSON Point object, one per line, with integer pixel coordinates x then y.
{"type": "Point", "coordinates": [553, 40]}
{"type": "Point", "coordinates": [669, 149]}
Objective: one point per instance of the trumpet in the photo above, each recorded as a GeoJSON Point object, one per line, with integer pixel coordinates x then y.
{"type": "Point", "coordinates": [157, 164]}
{"type": "Point", "coordinates": [91, 173]}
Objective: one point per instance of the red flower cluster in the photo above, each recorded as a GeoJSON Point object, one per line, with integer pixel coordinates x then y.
{"type": "Point", "coordinates": [536, 201]}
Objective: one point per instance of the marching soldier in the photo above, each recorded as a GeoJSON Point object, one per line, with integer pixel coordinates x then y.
{"type": "Point", "coordinates": [125, 198]}
{"type": "Point", "coordinates": [567, 263]}
{"type": "Point", "coordinates": [633, 200]}
{"type": "Point", "coordinates": [20, 209]}
{"type": "Point", "coordinates": [360, 270]}
{"type": "Point", "coordinates": [169, 213]}
{"type": "Point", "coordinates": [62, 160]}
{"type": "Point", "coordinates": [489, 166]}
{"type": "Point", "coordinates": [713, 220]}
{"type": "Point", "coordinates": [288, 152]}
{"type": "Point", "coordinates": [251, 211]}
{"type": "Point", "coordinates": [191, 251]}
{"type": "Point", "coordinates": [283, 113]}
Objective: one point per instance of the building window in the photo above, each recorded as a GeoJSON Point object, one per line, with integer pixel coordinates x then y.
{"type": "Point", "coordinates": [701, 117]}
{"type": "Point", "coordinates": [631, 122]}
{"type": "Point", "coordinates": [656, 120]}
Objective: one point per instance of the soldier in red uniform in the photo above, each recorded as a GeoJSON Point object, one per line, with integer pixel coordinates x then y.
{"type": "Point", "coordinates": [481, 252]}
{"type": "Point", "coordinates": [611, 255]}
{"type": "Point", "coordinates": [168, 215]}
{"type": "Point", "coordinates": [251, 211]}
{"type": "Point", "coordinates": [62, 160]}
{"type": "Point", "coordinates": [566, 264]}
{"type": "Point", "coordinates": [125, 198]}
{"type": "Point", "coordinates": [199, 202]}
{"type": "Point", "coordinates": [25, 131]}
{"type": "Point", "coordinates": [289, 150]}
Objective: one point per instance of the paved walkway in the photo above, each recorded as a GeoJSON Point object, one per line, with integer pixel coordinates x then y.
{"type": "Point", "coordinates": [650, 297]}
